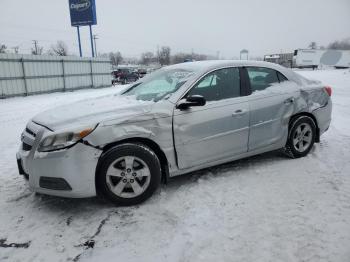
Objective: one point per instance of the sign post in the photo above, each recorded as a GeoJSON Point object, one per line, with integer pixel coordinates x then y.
{"type": "Point", "coordinates": [82, 13]}
{"type": "Point", "coordinates": [92, 42]}
{"type": "Point", "coordinates": [80, 53]}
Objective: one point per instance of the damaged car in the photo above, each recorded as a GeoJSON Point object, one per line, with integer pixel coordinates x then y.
{"type": "Point", "coordinates": [179, 119]}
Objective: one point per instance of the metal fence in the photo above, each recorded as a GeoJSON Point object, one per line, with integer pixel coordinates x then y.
{"type": "Point", "coordinates": [34, 74]}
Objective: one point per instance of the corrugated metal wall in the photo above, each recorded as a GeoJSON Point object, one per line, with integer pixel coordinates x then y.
{"type": "Point", "coordinates": [33, 74]}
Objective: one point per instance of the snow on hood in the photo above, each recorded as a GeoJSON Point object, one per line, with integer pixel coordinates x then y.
{"type": "Point", "coordinates": [92, 111]}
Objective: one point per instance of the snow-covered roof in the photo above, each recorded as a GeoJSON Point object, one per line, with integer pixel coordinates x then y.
{"type": "Point", "coordinates": [217, 63]}
{"type": "Point", "coordinates": [207, 65]}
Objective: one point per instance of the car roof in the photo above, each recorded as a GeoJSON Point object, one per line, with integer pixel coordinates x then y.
{"type": "Point", "coordinates": [208, 65]}
{"type": "Point", "coordinates": [221, 63]}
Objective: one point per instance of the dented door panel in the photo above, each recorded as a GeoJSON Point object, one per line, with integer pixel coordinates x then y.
{"type": "Point", "coordinates": [215, 131]}
{"type": "Point", "coordinates": [269, 119]}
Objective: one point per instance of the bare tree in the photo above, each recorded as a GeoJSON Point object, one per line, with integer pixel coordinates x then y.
{"type": "Point", "coordinates": [340, 45]}
{"type": "Point", "coordinates": [3, 48]}
{"type": "Point", "coordinates": [313, 45]}
{"type": "Point", "coordinates": [164, 55]}
{"type": "Point", "coordinates": [147, 58]}
{"type": "Point", "coordinates": [131, 60]}
{"type": "Point", "coordinates": [59, 49]}
{"type": "Point", "coordinates": [180, 57]}
{"type": "Point", "coordinates": [116, 58]}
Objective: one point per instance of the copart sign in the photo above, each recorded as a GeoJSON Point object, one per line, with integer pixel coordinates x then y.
{"type": "Point", "coordinates": [82, 12]}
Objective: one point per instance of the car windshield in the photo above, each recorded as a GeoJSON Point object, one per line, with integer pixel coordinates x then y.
{"type": "Point", "coordinates": [160, 84]}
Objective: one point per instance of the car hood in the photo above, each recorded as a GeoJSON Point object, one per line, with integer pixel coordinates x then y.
{"type": "Point", "coordinates": [92, 111]}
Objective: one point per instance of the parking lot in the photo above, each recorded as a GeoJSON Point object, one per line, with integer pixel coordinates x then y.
{"type": "Point", "coordinates": [264, 208]}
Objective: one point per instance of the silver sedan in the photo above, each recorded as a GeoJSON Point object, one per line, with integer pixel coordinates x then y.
{"type": "Point", "coordinates": [176, 120]}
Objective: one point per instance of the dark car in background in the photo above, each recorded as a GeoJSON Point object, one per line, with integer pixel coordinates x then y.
{"type": "Point", "coordinates": [142, 72]}
{"type": "Point", "coordinates": [124, 76]}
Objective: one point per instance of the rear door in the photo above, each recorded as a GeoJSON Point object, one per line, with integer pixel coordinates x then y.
{"type": "Point", "coordinates": [271, 103]}
{"type": "Point", "coordinates": [217, 130]}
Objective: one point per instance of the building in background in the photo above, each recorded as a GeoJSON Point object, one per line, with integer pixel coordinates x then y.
{"type": "Point", "coordinates": [283, 59]}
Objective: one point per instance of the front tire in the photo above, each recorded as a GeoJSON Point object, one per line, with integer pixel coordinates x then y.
{"type": "Point", "coordinates": [301, 136]}
{"type": "Point", "coordinates": [128, 174]}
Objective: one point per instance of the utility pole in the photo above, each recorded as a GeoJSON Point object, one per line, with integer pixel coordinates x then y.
{"type": "Point", "coordinates": [95, 38]}
{"type": "Point", "coordinates": [35, 42]}
{"type": "Point", "coordinates": [158, 55]}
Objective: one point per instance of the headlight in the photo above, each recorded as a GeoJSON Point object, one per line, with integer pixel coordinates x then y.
{"type": "Point", "coordinates": [63, 140]}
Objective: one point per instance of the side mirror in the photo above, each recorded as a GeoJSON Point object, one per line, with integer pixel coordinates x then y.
{"type": "Point", "coordinates": [195, 100]}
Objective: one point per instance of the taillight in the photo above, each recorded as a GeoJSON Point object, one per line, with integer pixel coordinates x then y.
{"type": "Point", "coordinates": [328, 90]}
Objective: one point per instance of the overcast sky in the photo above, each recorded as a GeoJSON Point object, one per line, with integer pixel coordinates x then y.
{"type": "Point", "coordinates": [206, 26]}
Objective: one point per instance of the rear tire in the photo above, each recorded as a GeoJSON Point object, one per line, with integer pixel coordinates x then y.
{"type": "Point", "coordinates": [301, 137]}
{"type": "Point", "coordinates": [128, 174]}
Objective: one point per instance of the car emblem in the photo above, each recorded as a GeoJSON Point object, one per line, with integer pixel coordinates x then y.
{"type": "Point", "coordinates": [22, 137]}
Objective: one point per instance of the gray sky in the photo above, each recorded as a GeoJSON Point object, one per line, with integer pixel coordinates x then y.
{"type": "Point", "coordinates": [207, 26]}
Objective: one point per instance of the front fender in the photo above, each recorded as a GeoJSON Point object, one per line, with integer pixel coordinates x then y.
{"type": "Point", "coordinates": [159, 130]}
{"type": "Point", "coordinates": [104, 135]}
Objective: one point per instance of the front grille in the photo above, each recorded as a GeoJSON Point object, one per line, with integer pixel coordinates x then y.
{"type": "Point", "coordinates": [26, 147]}
{"type": "Point", "coordinates": [30, 132]}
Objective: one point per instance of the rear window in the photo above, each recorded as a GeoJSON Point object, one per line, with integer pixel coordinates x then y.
{"type": "Point", "coordinates": [261, 78]}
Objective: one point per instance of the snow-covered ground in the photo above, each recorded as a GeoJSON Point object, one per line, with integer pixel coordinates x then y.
{"type": "Point", "coordinates": [264, 208]}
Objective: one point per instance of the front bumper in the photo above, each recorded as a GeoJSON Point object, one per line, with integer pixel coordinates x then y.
{"type": "Point", "coordinates": [67, 172]}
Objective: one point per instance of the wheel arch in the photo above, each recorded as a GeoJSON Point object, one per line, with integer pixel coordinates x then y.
{"type": "Point", "coordinates": [147, 142]}
{"type": "Point", "coordinates": [293, 117]}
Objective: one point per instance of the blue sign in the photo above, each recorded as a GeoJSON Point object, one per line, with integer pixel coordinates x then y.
{"type": "Point", "coordinates": [82, 12]}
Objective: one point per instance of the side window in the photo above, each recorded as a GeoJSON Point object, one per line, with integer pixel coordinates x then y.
{"type": "Point", "coordinates": [218, 85]}
{"type": "Point", "coordinates": [207, 81]}
{"type": "Point", "coordinates": [261, 78]}
{"type": "Point", "coordinates": [281, 77]}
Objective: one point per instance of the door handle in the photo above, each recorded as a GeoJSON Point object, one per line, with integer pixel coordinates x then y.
{"type": "Point", "coordinates": [239, 112]}
{"type": "Point", "coordinates": [289, 101]}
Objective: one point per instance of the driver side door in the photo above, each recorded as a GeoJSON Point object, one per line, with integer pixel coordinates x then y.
{"type": "Point", "coordinates": [219, 129]}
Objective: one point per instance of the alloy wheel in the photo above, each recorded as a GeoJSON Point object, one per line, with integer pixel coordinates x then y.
{"type": "Point", "coordinates": [302, 137]}
{"type": "Point", "coordinates": [128, 177]}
